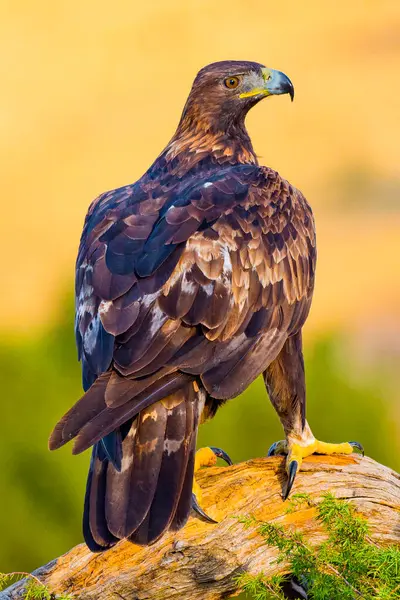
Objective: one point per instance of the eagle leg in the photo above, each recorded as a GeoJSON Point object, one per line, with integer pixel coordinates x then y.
{"type": "Point", "coordinates": [205, 457]}
{"type": "Point", "coordinates": [285, 383]}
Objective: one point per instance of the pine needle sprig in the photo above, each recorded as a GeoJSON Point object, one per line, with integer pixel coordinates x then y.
{"type": "Point", "coordinates": [34, 588]}
{"type": "Point", "coordinates": [348, 565]}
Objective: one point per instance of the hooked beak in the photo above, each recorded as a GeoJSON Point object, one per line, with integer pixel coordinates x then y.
{"type": "Point", "coordinates": [277, 82]}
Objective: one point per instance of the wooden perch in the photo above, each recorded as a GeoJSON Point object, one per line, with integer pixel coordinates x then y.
{"type": "Point", "coordinates": [202, 560]}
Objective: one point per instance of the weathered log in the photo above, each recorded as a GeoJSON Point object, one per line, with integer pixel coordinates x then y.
{"type": "Point", "coordinates": [202, 560]}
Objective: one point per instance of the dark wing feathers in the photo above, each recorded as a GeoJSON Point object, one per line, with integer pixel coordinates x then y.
{"type": "Point", "coordinates": [131, 234]}
{"type": "Point", "coordinates": [91, 418]}
{"type": "Point", "coordinates": [117, 317]}
{"type": "Point", "coordinates": [201, 278]}
{"type": "Point", "coordinates": [109, 419]}
{"type": "Point", "coordinates": [251, 246]}
{"type": "Point", "coordinates": [83, 411]}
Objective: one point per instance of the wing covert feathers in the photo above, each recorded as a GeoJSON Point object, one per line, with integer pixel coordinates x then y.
{"type": "Point", "coordinates": [163, 269]}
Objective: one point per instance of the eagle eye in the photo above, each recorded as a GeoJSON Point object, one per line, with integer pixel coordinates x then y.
{"type": "Point", "coordinates": [231, 82]}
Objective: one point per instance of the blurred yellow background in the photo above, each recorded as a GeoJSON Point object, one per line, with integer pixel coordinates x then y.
{"type": "Point", "coordinates": [91, 93]}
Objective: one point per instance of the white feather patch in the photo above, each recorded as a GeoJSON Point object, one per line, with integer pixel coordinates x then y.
{"type": "Point", "coordinates": [187, 286]}
{"type": "Point", "coordinates": [157, 317]}
{"type": "Point", "coordinates": [171, 446]}
{"type": "Point", "coordinates": [208, 288]}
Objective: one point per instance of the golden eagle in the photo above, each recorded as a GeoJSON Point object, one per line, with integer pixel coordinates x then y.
{"type": "Point", "coordinates": [190, 283]}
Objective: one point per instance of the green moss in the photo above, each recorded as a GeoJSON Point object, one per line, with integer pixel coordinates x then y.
{"type": "Point", "coordinates": [34, 590]}
{"type": "Point", "coordinates": [348, 565]}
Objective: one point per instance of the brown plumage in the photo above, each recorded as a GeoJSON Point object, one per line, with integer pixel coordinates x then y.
{"type": "Point", "coordinates": [189, 284]}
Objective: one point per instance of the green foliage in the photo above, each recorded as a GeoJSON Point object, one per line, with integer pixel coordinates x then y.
{"type": "Point", "coordinates": [296, 500]}
{"type": "Point", "coordinates": [34, 589]}
{"type": "Point", "coordinates": [348, 565]}
{"type": "Point", "coordinates": [259, 587]}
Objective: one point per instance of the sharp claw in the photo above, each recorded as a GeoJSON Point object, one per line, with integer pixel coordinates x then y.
{"type": "Point", "coordinates": [221, 454]}
{"type": "Point", "coordinates": [294, 465]}
{"type": "Point", "coordinates": [357, 447]}
{"type": "Point", "coordinates": [272, 448]}
{"type": "Point", "coordinates": [197, 508]}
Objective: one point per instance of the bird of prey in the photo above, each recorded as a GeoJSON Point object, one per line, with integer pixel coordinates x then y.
{"type": "Point", "coordinates": [190, 283]}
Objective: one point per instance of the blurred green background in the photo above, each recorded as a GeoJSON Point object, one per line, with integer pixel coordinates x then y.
{"type": "Point", "coordinates": [90, 95]}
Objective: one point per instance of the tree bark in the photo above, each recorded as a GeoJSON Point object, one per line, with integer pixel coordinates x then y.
{"type": "Point", "coordinates": [202, 560]}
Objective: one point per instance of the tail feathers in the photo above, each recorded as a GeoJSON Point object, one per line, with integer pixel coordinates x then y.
{"type": "Point", "coordinates": [130, 493]}
{"type": "Point", "coordinates": [179, 432]}
{"type": "Point", "coordinates": [185, 501]}
{"type": "Point", "coordinates": [152, 491]}
{"type": "Point", "coordinates": [95, 530]}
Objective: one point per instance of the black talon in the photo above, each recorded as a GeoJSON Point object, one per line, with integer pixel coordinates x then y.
{"type": "Point", "coordinates": [357, 446]}
{"type": "Point", "coordinates": [221, 454]}
{"type": "Point", "coordinates": [197, 508]}
{"type": "Point", "coordinates": [272, 448]}
{"type": "Point", "coordinates": [294, 465]}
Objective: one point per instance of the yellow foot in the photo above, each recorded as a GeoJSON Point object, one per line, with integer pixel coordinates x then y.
{"type": "Point", "coordinates": [205, 457]}
{"type": "Point", "coordinates": [296, 452]}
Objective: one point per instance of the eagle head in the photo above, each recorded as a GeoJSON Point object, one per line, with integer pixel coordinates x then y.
{"type": "Point", "coordinates": [223, 92]}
